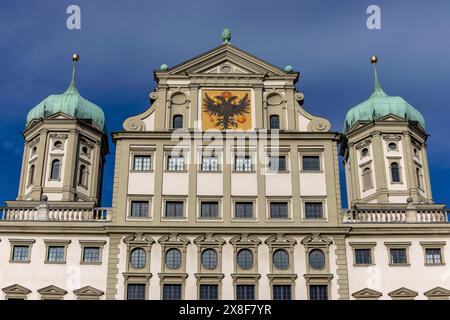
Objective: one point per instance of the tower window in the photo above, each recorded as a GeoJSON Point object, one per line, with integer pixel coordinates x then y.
{"type": "Point", "coordinates": [31, 175]}
{"type": "Point", "coordinates": [55, 171]}
{"type": "Point", "coordinates": [364, 152]}
{"type": "Point", "coordinates": [395, 172]}
{"type": "Point", "coordinates": [274, 122]}
{"type": "Point", "coordinates": [82, 175]}
{"type": "Point", "coordinates": [367, 179]}
{"type": "Point", "coordinates": [392, 146]}
{"type": "Point", "coordinates": [418, 178]}
{"type": "Point", "coordinates": [177, 121]}
{"type": "Point", "coordinates": [33, 151]}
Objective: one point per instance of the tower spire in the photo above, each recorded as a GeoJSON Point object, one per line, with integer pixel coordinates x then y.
{"type": "Point", "coordinates": [377, 90]}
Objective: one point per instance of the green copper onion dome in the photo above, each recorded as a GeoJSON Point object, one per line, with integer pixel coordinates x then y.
{"type": "Point", "coordinates": [379, 105]}
{"type": "Point", "coordinates": [70, 103]}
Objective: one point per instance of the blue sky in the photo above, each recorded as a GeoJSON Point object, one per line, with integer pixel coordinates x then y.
{"type": "Point", "coordinates": [122, 42]}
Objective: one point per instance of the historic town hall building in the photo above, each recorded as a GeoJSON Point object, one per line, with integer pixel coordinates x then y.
{"type": "Point", "coordinates": [226, 187]}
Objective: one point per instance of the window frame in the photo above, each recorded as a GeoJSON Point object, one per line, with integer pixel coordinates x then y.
{"type": "Point", "coordinates": [139, 198]}
{"type": "Point", "coordinates": [399, 168]}
{"type": "Point", "coordinates": [183, 200]}
{"type": "Point", "coordinates": [51, 162]}
{"type": "Point", "coordinates": [91, 244]}
{"type": "Point", "coordinates": [244, 200]}
{"type": "Point", "coordinates": [434, 245]}
{"type": "Point", "coordinates": [314, 200]}
{"type": "Point", "coordinates": [142, 156]}
{"type": "Point", "coordinates": [141, 150]}
{"type": "Point", "coordinates": [318, 155]}
{"type": "Point", "coordinates": [398, 245]}
{"type": "Point", "coordinates": [287, 201]}
{"type": "Point", "coordinates": [56, 243]}
{"type": "Point", "coordinates": [21, 242]}
{"type": "Point", "coordinates": [201, 200]}
{"type": "Point", "coordinates": [363, 245]}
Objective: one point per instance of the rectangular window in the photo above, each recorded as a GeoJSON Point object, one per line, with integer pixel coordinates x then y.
{"type": "Point", "coordinates": [243, 164]}
{"type": "Point", "coordinates": [313, 210]}
{"type": "Point", "coordinates": [139, 209]}
{"type": "Point", "coordinates": [398, 256]}
{"type": "Point", "coordinates": [209, 291]}
{"type": "Point", "coordinates": [209, 210]}
{"type": "Point", "coordinates": [279, 210]}
{"type": "Point", "coordinates": [175, 163]}
{"type": "Point", "coordinates": [282, 292]}
{"type": "Point", "coordinates": [56, 254]}
{"type": "Point", "coordinates": [210, 164]}
{"type": "Point", "coordinates": [277, 164]}
{"type": "Point", "coordinates": [136, 291]}
{"type": "Point", "coordinates": [311, 163]}
{"type": "Point", "coordinates": [245, 292]}
{"type": "Point", "coordinates": [243, 210]}
{"type": "Point", "coordinates": [91, 254]}
{"type": "Point", "coordinates": [174, 209]}
{"type": "Point", "coordinates": [363, 256]}
{"type": "Point", "coordinates": [142, 163]}
{"type": "Point", "coordinates": [172, 292]}
{"type": "Point", "coordinates": [318, 292]}
{"type": "Point", "coordinates": [433, 256]}
{"type": "Point", "coordinates": [20, 253]}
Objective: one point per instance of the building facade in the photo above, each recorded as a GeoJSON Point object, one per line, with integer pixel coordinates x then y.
{"type": "Point", "coordinates": [226, 187]}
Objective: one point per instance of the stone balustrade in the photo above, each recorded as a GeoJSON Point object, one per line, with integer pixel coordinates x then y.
{"type": "Point", "coordinates": [43, 213]}
{"type": "Point", "coordinates": [396, 216]}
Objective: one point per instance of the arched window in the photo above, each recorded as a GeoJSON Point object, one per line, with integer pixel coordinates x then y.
{"type": "Point", "coordinates": [177, 121]}
{"type": "Point", "coordinates": [56, 167]}
{"type": "Point", "coordinates": [395, 172]}
{"type": "Point", "coordinates": [82, 175]}
{"type": "Point", "coordinates": [367, 179]}
{"type": "Point", "coordinates": [274, 122]}
{"type": "Point", "coordinates": [209, 259]}
{"type": "Point", "coordinates": [31, 175]}
{"type": "Point", "coordinates": [173, 258]}
{"type": "Point", "coordinates": [281, 259]}
{"type": "Point", "coordinates": [317, 259]}
{"type": "Point", "coordinates": [245, 259]}
{"type": "Point", "coordinates": [138, 258]}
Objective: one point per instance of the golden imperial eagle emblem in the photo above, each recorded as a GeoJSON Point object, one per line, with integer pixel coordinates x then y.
{"type": "Point", "coordinates": [226, 110]}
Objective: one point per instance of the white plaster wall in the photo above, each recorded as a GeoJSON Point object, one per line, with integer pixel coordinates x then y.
{"type": "Point", "coordinates": [36, 274]}
{"type": "Point", "coordinates": [384, 278]}
{"type": "Point", "coordinates": [303, 122]}
{"type": "Point", "coordinates": [244, 184]}
{"type": "Point", "coordinates": [141, 183]}
{"type": "Point", "coordinates": [210, 184]}
{"type": "Point", "coordinates": [149, 122]}
{"type": "Point", "coordinates": [175, 183]}
{"type": "Point", "coordinates": [313, 184]}
{"type": "Point", "coordinates": [279, 184]}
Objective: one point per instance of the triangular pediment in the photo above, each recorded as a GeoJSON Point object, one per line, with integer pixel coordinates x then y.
{"type": "Point", "coordinates": [226, 59]}
{"type": "Point", "coordinates": [59, 115]}
{"type": "Point", "coordinates": [367, 293]}
{"type": "Point", "coordinates": [403, 293]}
{"type": "Point", "coordinates": [52, 290]}
{"type": "Point", "coordinates": [437, 292]}
{"type": "Point", "coordinates": [88, 291]}
{"type": "Point", "coordinates": [391, 117]}
{"type": "Point", "coordinates": [16, 289]}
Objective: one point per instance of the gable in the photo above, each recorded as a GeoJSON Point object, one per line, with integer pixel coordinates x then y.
{"type": "Point", "coordinates": [88, 291]}
{"type": "Point", "coordinates": [16, 289]}
{"type": "Point", "coordinates": [437, 292]}
{"type": "Point", "coordinates": [403, 293]}
{"type": "Point", "coordinates": [52, 290]}
{"type": "Point", "coordinates": [367, 293]}
{"type": "Point", "coordinates": [225, 59]}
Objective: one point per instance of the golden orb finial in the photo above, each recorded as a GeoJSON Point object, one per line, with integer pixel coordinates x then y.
{"type": "Point", "coordinates": [75, 57]}
{"type": "Point", "coordinates": [373, 59]}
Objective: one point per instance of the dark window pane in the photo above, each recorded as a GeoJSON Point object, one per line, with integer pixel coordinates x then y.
{"type": "Point", "coordinates": [313, 210]}
{"type": "Point", "coordinates": [245, 259]}
{"type": "Point", "coordinates": [56, 253]}
{"type": "Point", "coordinates": [136, 291]}
{"type": "Point", "coordinates": [398, 256]}
{"type": "Point", "coordinates": [209, 259]}
{"type": "Point", "coordinates": [279, 210]}
{"type": "Point", "coordinates": [138, 258]}
{"type": "Point", "coordinates": [177, 121]}
{"type": "Point", "coordinates": [139, 209]}
{"type": "Point", "coordinates": [245, 292]}
{"type": "Point", "coordinates": [395, 172]}
{"type": "Point", "coordinates": [363, 256]}
{"type": "Point", "coordinates": [281, 259]}
{"type": "Point", "coordinates": [317, 259]}
{"type": "Point", "coordinates": [277, 164]}
{"type": "Point", "coordinates": [173, 258]}
{"type": "Point", "coordinates": [311, 163]}
{"type": "Point", "coordinates": [282, 292]}
{"type": "Point", "coordinates": [274, 122]}
{"type": "Point", "coordinates": [54, 174]}
{"type": "Point", "coordinates": [91, 254]}
{"type": "Point", "coordinates": [244, 209]}
{"type": "Point", "coordinates": [208, 292]}
{"type": "Point", "coordinates": [209, 210]}
{"type": "Point", "coordinates": [318, 292]}
{"type": "Point", "coordinates": [174, 209]}
{"type": "Point", "coordinates": [172, 292]}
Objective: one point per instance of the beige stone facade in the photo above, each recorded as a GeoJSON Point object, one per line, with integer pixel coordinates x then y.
{"type": "Point", "coordinates": [225, 213]}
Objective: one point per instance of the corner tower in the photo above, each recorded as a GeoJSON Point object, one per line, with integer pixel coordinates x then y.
{"type": "Point", "coordinates": [384, 149]}
{"type": "Point", "coordinates": [65, 148]}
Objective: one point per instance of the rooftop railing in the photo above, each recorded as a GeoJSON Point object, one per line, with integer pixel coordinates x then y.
{"type": "Point", "coordinates": [396, 216]}
{"type": "Point", "coordinates": [55, 214]}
